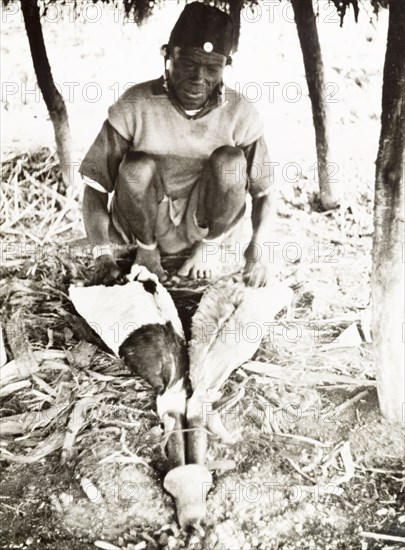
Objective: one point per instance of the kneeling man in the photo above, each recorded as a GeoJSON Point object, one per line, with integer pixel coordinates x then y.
{"type": "Point", "coordinates": [178, 156]}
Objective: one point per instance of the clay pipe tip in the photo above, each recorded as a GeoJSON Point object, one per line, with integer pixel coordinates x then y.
{"type": "Point", "coordinates": [189, 486]}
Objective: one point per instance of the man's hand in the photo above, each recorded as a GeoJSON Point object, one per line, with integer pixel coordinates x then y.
{"type": "Point", "coordinates": [257, 269]}
{"type": "Point", "coordinates": [106, 271]}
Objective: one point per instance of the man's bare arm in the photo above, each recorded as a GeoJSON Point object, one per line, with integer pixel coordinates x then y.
{"type": "Point", "coordinates": [263, 212]}
{"type": "Point", "coordinates": [96, 222]}
{"type": "Point", "coordinates": [95, 215]}
{"type": "Point", "coordinates": [257, 268]}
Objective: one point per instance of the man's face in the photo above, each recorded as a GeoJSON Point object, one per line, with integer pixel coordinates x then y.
{"type": "Point", "coordinates": [194, 74]}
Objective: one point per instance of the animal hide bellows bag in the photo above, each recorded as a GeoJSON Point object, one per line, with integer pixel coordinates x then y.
{"type": "Point", "coordinates": [139, 322]}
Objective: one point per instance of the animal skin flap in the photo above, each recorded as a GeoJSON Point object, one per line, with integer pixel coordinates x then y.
{"type": "Point", "coordinates": [114, 312]}
{"type": "Point", "coordinates": [227, 330]}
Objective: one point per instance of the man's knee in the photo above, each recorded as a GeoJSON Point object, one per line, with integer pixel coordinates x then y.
{"type": "Point", "coordinates": [137, 172]}
{"type": "Point", "coordinates": [228, 165]}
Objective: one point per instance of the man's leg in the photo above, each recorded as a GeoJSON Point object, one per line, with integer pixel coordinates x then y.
{"type": "Point", "coordinates": [136, 194]}
{"type": "Point", "coordinates": [221, 204]}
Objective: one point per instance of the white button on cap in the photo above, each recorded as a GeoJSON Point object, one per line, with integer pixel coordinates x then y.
{"type": "Point", "coordinates": [208, 47]}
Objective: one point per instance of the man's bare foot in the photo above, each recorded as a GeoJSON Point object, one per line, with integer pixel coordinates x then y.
{"type": "Point", "coordinates": [203, 262]}
{"type": "Point", "coordinates": [151, 260]}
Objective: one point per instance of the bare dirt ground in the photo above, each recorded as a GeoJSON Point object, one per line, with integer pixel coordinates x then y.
{"type": "Point", "coordinates": [313, 465]}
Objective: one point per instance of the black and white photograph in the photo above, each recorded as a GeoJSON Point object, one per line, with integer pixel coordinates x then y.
{"type": "Point", "coordinates": [202, 268]}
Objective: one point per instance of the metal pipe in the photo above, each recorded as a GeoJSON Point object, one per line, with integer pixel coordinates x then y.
{"type": "Point", "coordinates": [176, 446]}
{"type": "Point", "coordinates": [196, 441]}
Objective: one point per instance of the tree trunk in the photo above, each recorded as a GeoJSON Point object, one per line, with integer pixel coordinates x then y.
{"type": "Point", "coordinates": [388, 266]}
{"type": "Point", "coordinates": [235, 8]}
{"type": "Point", "coordinates": [53, 99]}
{"type": "Point", "coordinates": [311, 50]}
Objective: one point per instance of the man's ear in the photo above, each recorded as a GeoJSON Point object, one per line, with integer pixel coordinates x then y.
{"type": "Point", "coordinates": [165, 52]}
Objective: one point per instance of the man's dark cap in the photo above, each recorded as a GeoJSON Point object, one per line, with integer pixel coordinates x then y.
{"type": "Point", "coordinates": [205, 27]}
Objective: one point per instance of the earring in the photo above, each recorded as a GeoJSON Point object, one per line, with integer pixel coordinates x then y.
{"type": "Point", "coordinates": [165, 75]}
